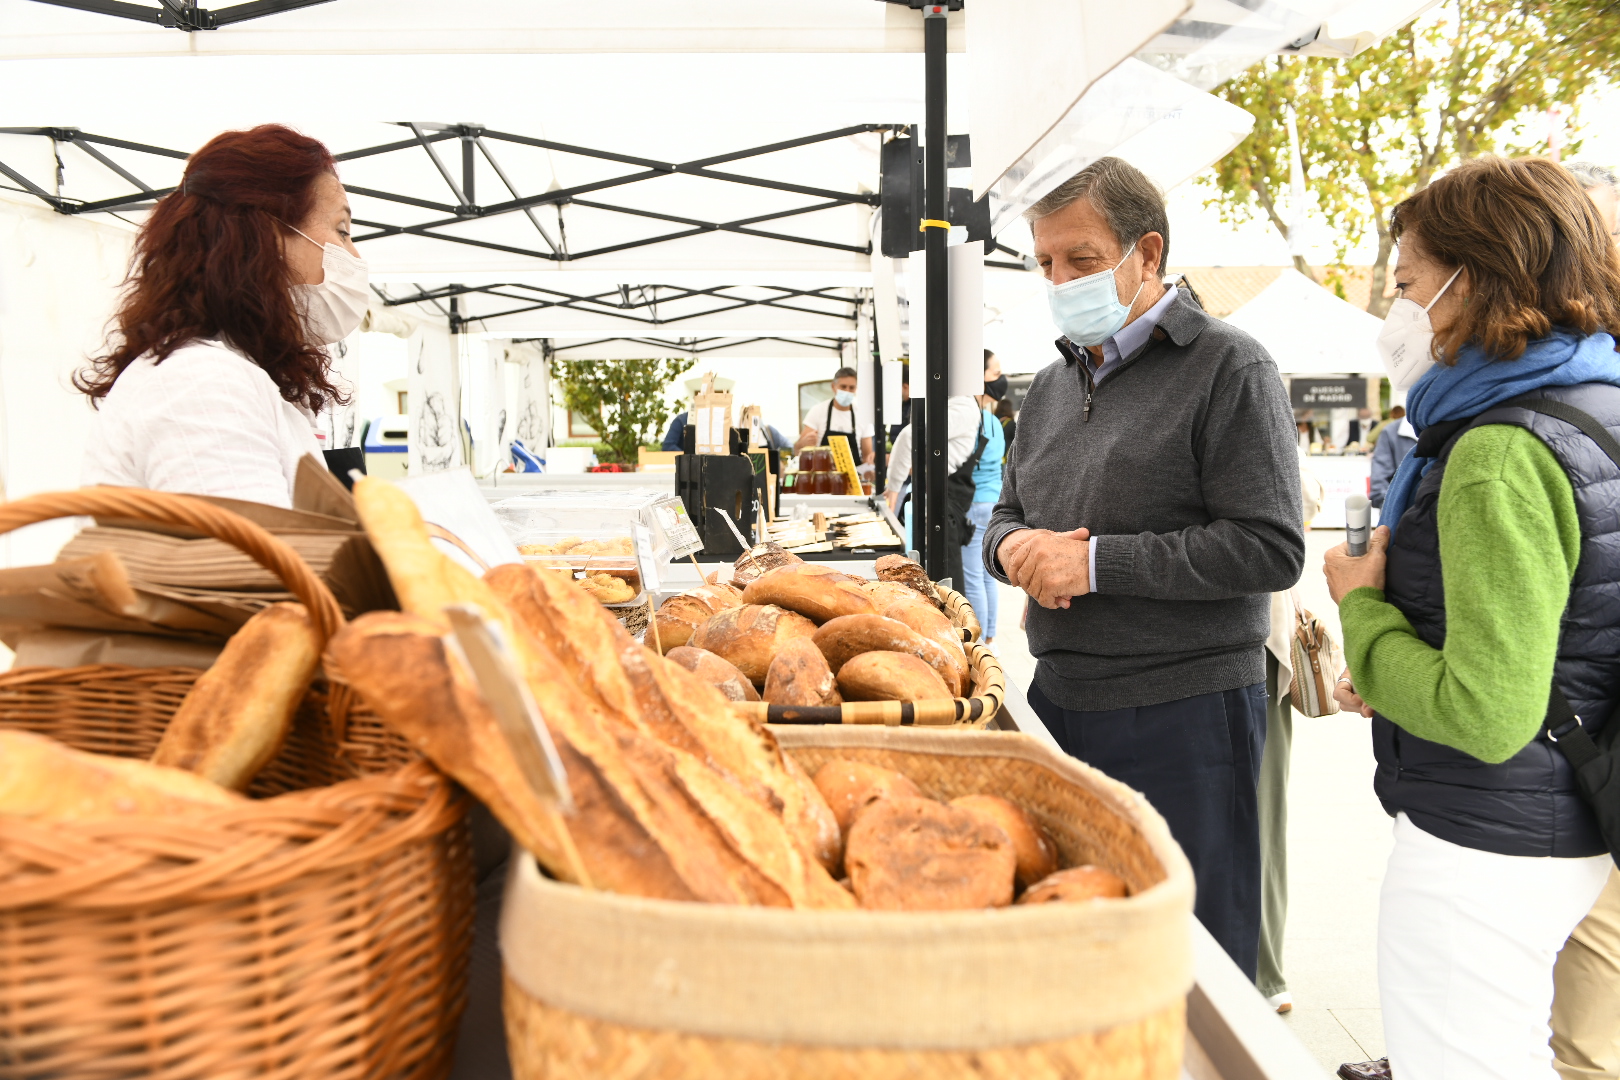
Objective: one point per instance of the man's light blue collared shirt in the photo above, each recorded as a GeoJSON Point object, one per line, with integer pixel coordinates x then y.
{"type": "Point", "coordinates": [1131, 337]}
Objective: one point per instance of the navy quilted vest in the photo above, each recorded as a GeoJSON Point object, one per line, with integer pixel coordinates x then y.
{"type": "Point", "coordinates": [1527, 805]}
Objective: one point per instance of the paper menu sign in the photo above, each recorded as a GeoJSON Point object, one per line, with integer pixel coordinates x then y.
{"type": "Point", "coordinates": [646, 564]}
{"type": "Point", "coordinates": [711, 414]}
{"type": "Point", "coordinates": [451, 503]}
{"type": "Point", "coordinates": [679, 533]}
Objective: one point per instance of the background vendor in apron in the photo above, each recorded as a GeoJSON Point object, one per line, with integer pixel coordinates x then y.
{"type": "Point", "coordinates": [837, 419]}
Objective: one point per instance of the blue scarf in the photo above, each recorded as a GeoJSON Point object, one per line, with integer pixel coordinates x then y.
{"type": "Point", "coordinates": [1476, 383]}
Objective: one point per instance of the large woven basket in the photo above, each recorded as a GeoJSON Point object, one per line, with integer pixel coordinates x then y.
{"type": "Point", "coordinates": [613, 987]}
{"type": "Point", "coordinates": [318, 931]}
{"type": "Point", "coordinates": [974, 712]}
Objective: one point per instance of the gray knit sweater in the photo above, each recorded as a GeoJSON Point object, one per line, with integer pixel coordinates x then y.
{"type": "Point", "coordinates": [1185, 470]}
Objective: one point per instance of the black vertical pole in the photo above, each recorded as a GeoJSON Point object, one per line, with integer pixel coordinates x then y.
{"type": "Point", "coordinates": [880, 430]}
{"type": "Point", "coordinates": [935, 536]}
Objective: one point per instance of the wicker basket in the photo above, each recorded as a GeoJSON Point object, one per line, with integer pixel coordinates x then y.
{"type": "Point", "coordinates": [973, 713]}
{"type": "Point", "coordinates": [613, 987]}
{"type": "Point", "coordinates": [319, 931]}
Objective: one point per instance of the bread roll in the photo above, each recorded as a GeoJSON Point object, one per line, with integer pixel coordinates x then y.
{"type": "Point", "coordinates": [849, 787]}
{"type": "Point", "coordinates": [932, 624]}
{"type": "Point", "coordinates": [44, 780]}
{"type": "Point", "coordinates": [800, 676]}
{"type": "Point", "coordinates": [681, 615]}
{"type": "Point", "coordinates": [1036, 854]}
{"type": "Point", "coordinates": [887, 676]}
{"type": "Point", "coordinates": [1076, 884]}
{"type": "Point", "coordinates": [814, 590]}
{"type": "Point", "coordinates": [920, 855]}
{"type": "Point", "coordinates": [716, 671]}
{"type": "Point", "coordinates": [850, 636]}
{"type": "Point", "coordinates": [238, 713]}
{"type": "Point", "coordinates": [899, 569]}
{"type": "Point", "coordinates": [761, 559]}
{"type": "Point", "coordinates": [751, 636]}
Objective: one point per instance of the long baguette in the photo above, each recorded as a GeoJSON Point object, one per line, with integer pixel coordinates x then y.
{"type": "Point", "coordinates": [42, 779]}
{"type": "Point", "coordinates": [237, 716]}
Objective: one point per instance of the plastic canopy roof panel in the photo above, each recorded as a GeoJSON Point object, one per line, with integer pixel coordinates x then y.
{"type": "Point", "coordinates": [1308, 330]}
{"type": "Point", "coordinates": [36, 30]}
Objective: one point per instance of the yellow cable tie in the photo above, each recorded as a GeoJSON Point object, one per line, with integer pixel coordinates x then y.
{"type": "Point", "coordinates": [934, 223]}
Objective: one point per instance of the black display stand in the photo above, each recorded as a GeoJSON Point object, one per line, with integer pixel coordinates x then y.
{"type": "Point", "coordinates": [727, 483]}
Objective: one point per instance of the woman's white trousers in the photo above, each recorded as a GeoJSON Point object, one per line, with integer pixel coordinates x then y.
{"type": "Point", "coordinates": [1466, 944]}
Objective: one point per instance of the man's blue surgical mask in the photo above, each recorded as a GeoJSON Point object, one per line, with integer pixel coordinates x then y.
{"type": "Point", "coordinates": [1087, 309]}
{"type": "Point", "coordinates": [845, 398]}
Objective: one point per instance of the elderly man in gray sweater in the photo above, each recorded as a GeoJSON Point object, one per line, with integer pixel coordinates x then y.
{"type": "Point", "coordinates": [1150, 507]}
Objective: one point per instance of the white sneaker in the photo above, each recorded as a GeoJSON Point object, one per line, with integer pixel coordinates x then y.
{"type": "Point", "coordinates": [1283, 1002]}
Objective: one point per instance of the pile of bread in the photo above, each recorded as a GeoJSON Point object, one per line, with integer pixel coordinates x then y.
{"type": "Point", "coordinates": [798, 633]}
{"type": "Point", "coordinates": [675, 796]}
{"type": "Point", "coordinates": [609, 581]}
{"type": "Point", "coordinates": [230, 725]}
{"type": "Point", "coordinates": [906, 852]}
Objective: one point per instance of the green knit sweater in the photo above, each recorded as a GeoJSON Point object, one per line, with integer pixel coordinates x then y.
{"type": "Point", "coordinates": [1509, 543]}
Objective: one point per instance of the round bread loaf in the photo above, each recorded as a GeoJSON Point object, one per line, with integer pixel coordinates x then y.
{"type": "Point", "coordinates": [813, 590]}
{"type": "Point", "coordinates": [800, 676]}
{"type": "Point", "coordinates": [851, 635]}
{"type": "Point", "coordinates": [884, 593]}
{"type": "Point", "coordinates": [900, 569]}
{"type": "Point", "coordinates": [890, 676]}
{"type": "Point", "coordinates": [920, 855]}
{"type": "Point", "coordinates": [1076, 884]}
{"type": "Point", "coordinates": [851, 786]}
{"type": "Point", "coordinates": [760, 559]}
{"type": "Point", "coordinates": [1035, 852]}
{"type": "Point", "coordinates": [811, 820]}
{"type": "Point", "coordinates": [750, 636]}
{"type": "Point", "coordinates": [717, 671]}
{"type": "Point", "coordinates": [932, 624]}
{"type": "Point", "coordinates": [681, 615]}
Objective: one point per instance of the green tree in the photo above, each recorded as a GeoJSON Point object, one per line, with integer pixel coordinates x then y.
{"type": "Point", "coordinates": [1470, 78]}
{"type": "Point", "coordinates": [631, 398]}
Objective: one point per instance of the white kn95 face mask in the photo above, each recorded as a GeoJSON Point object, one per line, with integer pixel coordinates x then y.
{"type": "Point", "coordinates": [1406, 342]}
{"type": "Point", "coordinates": [333, 309]}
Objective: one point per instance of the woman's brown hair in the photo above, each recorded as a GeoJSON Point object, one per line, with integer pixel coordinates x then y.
{"type": "Point", "coordinates": [1536, 253]}
{"type": "Point", "coordinates": [208, 263]}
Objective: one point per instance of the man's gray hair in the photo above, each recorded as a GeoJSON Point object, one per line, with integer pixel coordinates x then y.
{"type": "Point", "coordinates": [1132, 204]}
{"type": "Point", "coordinates": [1590, 176]}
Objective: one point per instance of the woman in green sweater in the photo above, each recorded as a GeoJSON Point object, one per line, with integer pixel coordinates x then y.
{"type": "Point", "coordinates": [1493, 578]}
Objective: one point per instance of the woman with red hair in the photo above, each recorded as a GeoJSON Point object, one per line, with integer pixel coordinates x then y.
{"type": "Point", "coordinates": [239, 281]}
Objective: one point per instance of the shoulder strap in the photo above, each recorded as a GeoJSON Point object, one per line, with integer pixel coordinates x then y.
{"type": "Point", "coordinates": [1569, 414]}
{"type": "Point", "coordinates": [826, 427]}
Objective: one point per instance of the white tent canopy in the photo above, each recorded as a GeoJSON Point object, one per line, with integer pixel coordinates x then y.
{"type": "Point", "coordinates": [1309, 331]}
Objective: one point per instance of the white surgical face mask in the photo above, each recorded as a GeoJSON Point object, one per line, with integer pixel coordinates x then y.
{"type": "Point", "coordinates": [1406, 341]}
{"type": "Point", "coordinates": [1087, 309]}
{"type": "Point", "coordinates": [844, 398]}
{"type": "Point", "coordinates": [333, 309]}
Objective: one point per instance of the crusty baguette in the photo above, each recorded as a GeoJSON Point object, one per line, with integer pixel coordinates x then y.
{"type": "Point", "coordinates": [920, 855]}
{"type": "Point", "coordinates": [237, 716]}
{"type": "Point", "coordinates": [853, 635]}
{"type": "Point", "coordinates": [44, 780]}
{"type": "Point", "coordinates": [751, 636]}
{"type": "Point", "coordinates": [693, 723]}
{"type": "Point", "coordinates": [718, 672]}
{"type": "Point", "coordinates": [399, 665]}
{"type": "Point", "coordinates": [814, 590]}
{"type": "Point", "coordinates": [800, 676]}
{"type": "Point", "coordinates": [890, 676]}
